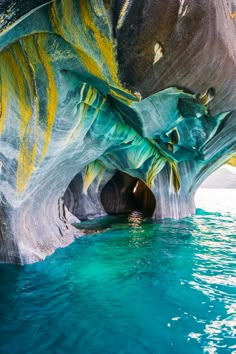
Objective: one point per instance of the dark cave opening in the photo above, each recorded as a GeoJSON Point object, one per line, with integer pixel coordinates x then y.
{"type": "Point", "coordinates": [124, 194]}
{"type": "Point", "coordinates": [121, 195]}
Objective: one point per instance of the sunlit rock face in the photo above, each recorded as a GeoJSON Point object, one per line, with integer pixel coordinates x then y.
{"type": "Point", "coordinates": [109, 107]}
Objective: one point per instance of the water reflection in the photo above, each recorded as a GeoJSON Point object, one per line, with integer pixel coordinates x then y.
{"type": "Point", "coordinates": [135, 219]}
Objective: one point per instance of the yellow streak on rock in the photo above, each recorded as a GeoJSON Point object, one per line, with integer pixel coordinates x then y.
{"type": "Point", "coordinates": [17, 73]}
{"type": "Point", "coordinates": [104, 44]}
{"type": "Point", "coordinates": [26, 164]}
{"type": "Point", "coordinates": [23, 80]}
{"type": "Point", "coordinates": [75, 36]}
{"type": "Point", "coordinates": [107, 51]}
{"type": "Point", "coordinates": [5, 94]}
{"type": "Point", "coordinates": [94, 169]}
{"type": "Point", "coordinates": [174, 176]}
{"type": "Point", "coordinates": [123, 98]}
{"type": "Point", "coordinates": [91, 96]}
{"type": "Point", "coordinates": [83, 109]}
{"type": "Point", "coordinates": [52, 93]}
{"type": "Point", "coordinates": [233, 15]}
{"type": "Point", "coordinates": [74, 39]}
{"type": "Point", "coordinates": [156, 167]}
{"type": "Point", "coordinates": [28, 153]}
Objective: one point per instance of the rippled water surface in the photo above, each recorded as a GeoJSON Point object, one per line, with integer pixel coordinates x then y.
{"type": "Point", "coordinates": [138, 287]}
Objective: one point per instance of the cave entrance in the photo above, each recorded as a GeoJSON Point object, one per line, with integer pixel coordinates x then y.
{"type": "Point", "coordinates": [124, 194]}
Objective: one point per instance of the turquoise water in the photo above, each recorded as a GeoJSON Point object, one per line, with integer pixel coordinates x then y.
{"type": "Point", "coordinates": [138, 287]}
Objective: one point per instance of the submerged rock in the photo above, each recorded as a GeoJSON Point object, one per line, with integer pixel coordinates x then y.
{"type": "Point", "coordinates": [109, 107]}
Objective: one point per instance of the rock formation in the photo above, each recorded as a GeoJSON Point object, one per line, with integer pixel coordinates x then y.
{"type": "Point", "coordinates": [107, 107]}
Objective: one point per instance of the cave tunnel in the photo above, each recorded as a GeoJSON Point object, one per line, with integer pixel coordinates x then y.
{"type": "Point", "coordinates": [124, 194]}
{"type": "Point", "coordinates": [121, 195]}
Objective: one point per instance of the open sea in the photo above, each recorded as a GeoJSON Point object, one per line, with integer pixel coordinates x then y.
{"type": "Point", "coordinates": [138, 287]}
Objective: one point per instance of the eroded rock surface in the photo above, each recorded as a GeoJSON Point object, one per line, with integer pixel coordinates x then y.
{"type": "Point", "coordinates": [108, 106]}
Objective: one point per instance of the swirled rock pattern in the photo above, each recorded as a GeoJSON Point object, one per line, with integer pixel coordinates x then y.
{"type": "Point", "coordinates": [102, 102]}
